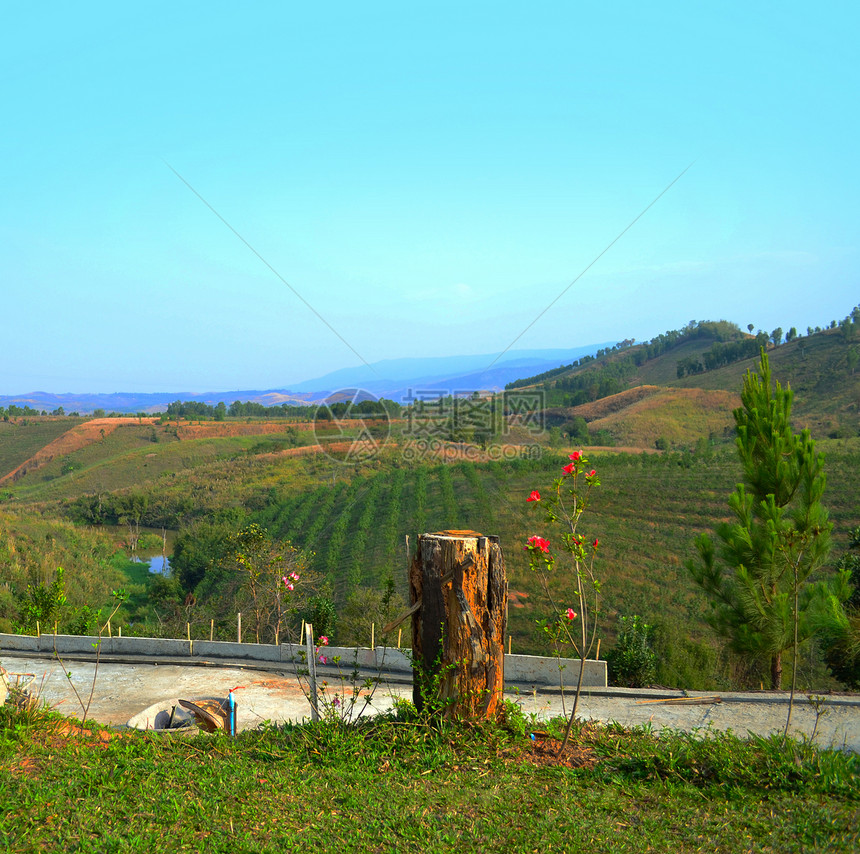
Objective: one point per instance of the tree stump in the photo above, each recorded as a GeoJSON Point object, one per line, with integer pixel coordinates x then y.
{"type": "Point", "coordinates": [458, 631]}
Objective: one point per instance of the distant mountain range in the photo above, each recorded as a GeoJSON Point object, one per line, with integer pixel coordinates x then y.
{"type": "Point", "coordinates": [396, 379]}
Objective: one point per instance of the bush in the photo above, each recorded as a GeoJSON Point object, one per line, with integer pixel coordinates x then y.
{"type": "Point", "coordinates": [683, 662]}
{"type": "Point", "coordinates": [632, 662]}
{"type": "Point", "coordinates": [321, 614]}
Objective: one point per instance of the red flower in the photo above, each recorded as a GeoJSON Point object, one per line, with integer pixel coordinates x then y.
{"type": "Point", "coordinates": [576, 456]}
{"type": "Point", "coordinates": [535, 496]}
{"type": "Point", "coordinates": [539, 543]}
{"type": "Point", "coordinates": [569, 468]}
{"type": "Point", "coordinates": [592, 473]}
{"type": "Point", "coordinates": [571, 614]}
{"type": "Point", "coordinates": [595, 542]}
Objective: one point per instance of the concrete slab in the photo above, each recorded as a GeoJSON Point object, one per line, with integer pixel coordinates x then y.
{"type": "Point", "coordinates": [122, 690]}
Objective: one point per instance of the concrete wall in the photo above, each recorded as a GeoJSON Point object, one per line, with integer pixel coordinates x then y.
{"type": "Point", "coordinates": [527, 669]}
{"type": "Point", "coordinates": [540, 670]}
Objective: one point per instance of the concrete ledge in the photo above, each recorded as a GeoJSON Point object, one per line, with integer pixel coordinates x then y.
{"type": "Point", "coordinates": [22, 643]}
{"type": "Point", "coordinates": [523, 669]}
{"type": "Point", "coordinates": [230, 649]}
{"type": "Point", "coordinates": [388, 658]}
{"type": "Point", "coordinates": [544, 670]}
{"type": "Point", "coordinates": [149, 646]}
{"type": "Point", "coordinates": [63, 644]}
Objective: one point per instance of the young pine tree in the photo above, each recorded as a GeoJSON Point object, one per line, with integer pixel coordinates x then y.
{"type": "Point", "coordinates": [760, 576]}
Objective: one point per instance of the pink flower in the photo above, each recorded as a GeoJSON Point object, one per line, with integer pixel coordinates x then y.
{"type": "Point", "coordinates": [535, 496]}
{"type": "Point", "coordinates": [539, 543]}
{"type": "Point", "coordinates": [323, 660]}
{"type": "Point", "coordinates": [576, 456]}
{"type": "Point", "coordinates": [569, 468]}
{"type": "Point", "coordinates": [323, 641]}
{"type": "Point", "coordinates": [294, 576]}
{"type": "Point", "coordinates": [571, 614]}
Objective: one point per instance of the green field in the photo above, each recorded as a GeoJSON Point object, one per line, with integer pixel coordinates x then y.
{"type": "Point", "coordinates": [646, 514]}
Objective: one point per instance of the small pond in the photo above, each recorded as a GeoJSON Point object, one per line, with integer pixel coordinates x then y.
{"type": "Point", "coordinates": [157, 564]}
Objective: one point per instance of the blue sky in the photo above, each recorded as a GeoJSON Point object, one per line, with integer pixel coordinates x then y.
{"type": "Point", "coordinates": [429, 177]}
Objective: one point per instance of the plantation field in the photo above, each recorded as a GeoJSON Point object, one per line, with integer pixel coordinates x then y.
{"type": "Point", "coordinates": [645, 514]}
{"type": "Point", "coordinates": [21, 438]}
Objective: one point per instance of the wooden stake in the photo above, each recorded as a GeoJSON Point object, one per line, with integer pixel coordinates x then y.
{"type": "Point", "coordinates": [38, 630]}
{"type": "Point", "coordinates": [110, 633]}
{"type": "Point", "coordinates": [399, 634]}
{"type": "Point", "coordinates": [373, 635]}
{"type": "Point", "coordinates": [211, 629]}
{"type": "Point", "coordinates": [310, 652]}
{"type": "Point", "coordinates": [188, 631]}
{"type": "Point", "coordinates": [119, 631]}
{"type": "Point", "coordinates": [509, 644]}
{"type": "Point", "coordinates": [302, 633]}
{"type": "Point", "coordinates": [239, 627]}
{"type": "Point", "coordinates": [597, 654]}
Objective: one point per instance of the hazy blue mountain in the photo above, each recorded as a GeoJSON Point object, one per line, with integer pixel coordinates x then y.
{"type": "Point", "coordinates": [396, 379]}
{"type": "Point", "coordinates": [392, 378]}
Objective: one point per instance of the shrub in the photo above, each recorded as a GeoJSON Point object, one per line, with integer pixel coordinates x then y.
{"type": "Point", "coordinates": [632, 662]}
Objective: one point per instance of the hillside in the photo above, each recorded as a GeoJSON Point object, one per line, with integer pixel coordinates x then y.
{"type": "Point", "coordinates": [826, 390]}
{"type": "Point", "coordinates": [677, 416]}
{"type": "Point", "coordinates": [23, 438]}
{"type": "Point", "coordinates": [608, 391]}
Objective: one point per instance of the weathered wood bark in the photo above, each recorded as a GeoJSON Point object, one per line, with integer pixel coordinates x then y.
{"type": "Point", "coordinates": [458, 633]}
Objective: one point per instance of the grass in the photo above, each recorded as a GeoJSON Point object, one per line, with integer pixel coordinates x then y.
{"type": "Point", "coordinates": [20, 438]}
{"type": "Point", "coordinates": [402, 785]}
{"type": "Point", "coordinates": [673, 414]}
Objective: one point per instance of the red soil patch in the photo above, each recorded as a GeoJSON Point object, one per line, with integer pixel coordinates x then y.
{"type": "Point", "coordinates": [514, 597]}
{"type": "Point", "coordinates": [545, 753]}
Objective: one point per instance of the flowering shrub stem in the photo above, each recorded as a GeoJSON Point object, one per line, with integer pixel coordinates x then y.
{"type": "Point", "coordinates": [570, 497]}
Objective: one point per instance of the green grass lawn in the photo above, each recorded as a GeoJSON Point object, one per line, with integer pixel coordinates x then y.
{"type": "Point", "coordinates": [404, 785]}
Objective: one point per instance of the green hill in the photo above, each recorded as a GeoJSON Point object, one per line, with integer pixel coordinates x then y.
{"type": "Point", "coordinates": [820, 368]}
